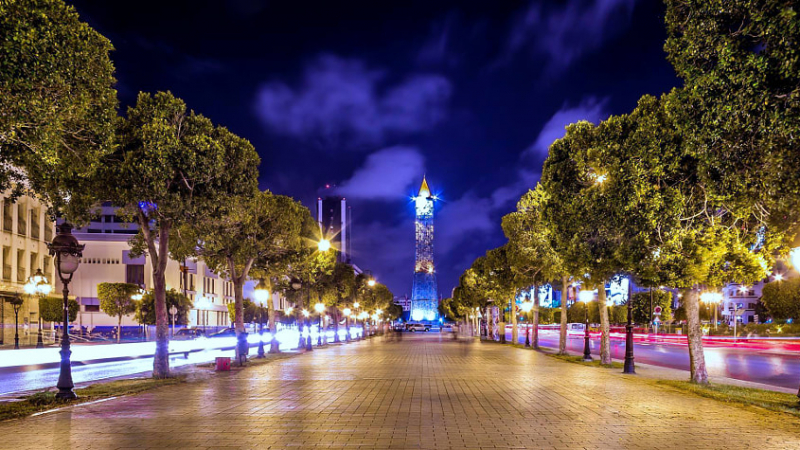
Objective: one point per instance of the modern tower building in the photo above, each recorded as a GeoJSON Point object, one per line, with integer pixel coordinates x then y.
{"type": "Point", "coordinates": [424, 297]}
{"type": "Point", "coordinates": [333, 216]}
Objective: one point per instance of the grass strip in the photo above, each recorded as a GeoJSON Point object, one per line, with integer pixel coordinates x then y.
{"type": "Point", "coordinates": [774, 401]}
{"type": "Point", "coordinates": [45, 400]}
{"type": "Point", "coordinates": [579, 360]}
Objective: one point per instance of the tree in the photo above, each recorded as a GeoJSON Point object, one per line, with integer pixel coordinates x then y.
{"type": "Point", "coordinates": [642, 305]}
{"type": "Point", "coordinates": [116, 301]}
{"type": "Point", "coordinates": [500, 285]}
{"type": "Point", "coordinates": [741, 70]}
{"type": "Point", "coordinates": [252, 229]}
{"type": "Point", "coordinates": [250, 311]}
{"type": "Point", "coordinates": [51, 309]}
{"type": "Point", "coordinates": [173, 167]}
{"type": "Point", "coordinates": [533, 258]}
{"type": "Point", "coordinates": [782, 299]}
{"type": "Point", "coordinates": [57, 103]}
{"type": "Point", "coordinates": [340, 286]}
{"type": "Point", "coordinates": [146, 308]}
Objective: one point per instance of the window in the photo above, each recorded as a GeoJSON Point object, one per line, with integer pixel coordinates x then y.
{"type": "Point", "coordinates": [7, 263]}
{"type": "Point", "coordinates": [134, 274]}
{"type": "Point", "coordinates": [8, 220]}
{"type": "Point", "coordinates": [47, 263]}
{"type": "Point", "coordinates": [91, 308]}
{"type": "Point", "coordinates": [48, 231]}
{"type": "Point", "coordinates": [22, 223]}
{"type": "Point", "coordinates": [21, 266]}
{"type": "Point", "coordinates": [34, 263]}
{"type": "Point", "coordinates": [35, 224]}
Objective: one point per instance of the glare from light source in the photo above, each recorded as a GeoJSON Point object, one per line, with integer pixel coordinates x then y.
{"type": "Point", "coordinates": [319, 307]}
{"type": "Point", "coordinates": [743, 289]}
{"type": "Point", "coordinates": [586, 296]}
{"type": "Point", "coordinates": [305, 313]}
{"type": "Point", "coordinates": [347, 312]}
{"type": "Point", "coordinates": [711, 297]}
{"type": "Point", "coordinates": [289, 310]}
{"type": "Point", "coordinates": [324, 245]}
{"type": "Point", "coordinates": [601, 179]}
{"type": "Point", "coordinates": [356, 305]}
{"type": "Point", "coordinates": [371, 283]}
{"type": "Point", "coordinates": [526, 306]}
{"type": "Point", "coordinates": [778, 276]}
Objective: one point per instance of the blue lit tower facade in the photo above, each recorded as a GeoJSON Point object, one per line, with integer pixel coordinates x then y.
{"type": "Point", "coordinates": [424, 297]}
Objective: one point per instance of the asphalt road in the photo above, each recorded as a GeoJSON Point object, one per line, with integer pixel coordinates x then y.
{"type": "Point", "coordinates": [740, 361]}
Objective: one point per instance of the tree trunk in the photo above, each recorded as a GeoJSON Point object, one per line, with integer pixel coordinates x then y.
{"type": "Point", "coordinates": [605, 342]}
{"type": "Point", "coordinates": [697, 360]}
{"type": "Point", "coordinates": [161, 359]}
{"type": "Point", "coordinates": [562, 338]}
{"type": "Point", "coordinates": [489, 325]}
{"type": "Point", "coordinates": [241, 336]}
{"type": "Point", "coordinates": [274, 345]}
{"type": "Point", "coordinates": [119, 328]}
{"type": "Point", "coordinates": [514, 330]}
{"type": "Point", "coordinates": [535, 331]}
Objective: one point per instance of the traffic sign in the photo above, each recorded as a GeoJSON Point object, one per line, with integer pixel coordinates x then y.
{"type": "Point", "coordinates": [657, 311]}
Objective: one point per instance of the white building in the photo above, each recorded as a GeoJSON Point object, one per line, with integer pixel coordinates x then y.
{"type": "Point", "coordinates": [26, 229]}
{"type": "Point", "coordinates": [107, 258]}
{"type": "Point", "coordinates": [740, 297]}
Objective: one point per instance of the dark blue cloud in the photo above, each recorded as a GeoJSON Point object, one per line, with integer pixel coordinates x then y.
{"type": "Point", "coordinates": [342, 100]}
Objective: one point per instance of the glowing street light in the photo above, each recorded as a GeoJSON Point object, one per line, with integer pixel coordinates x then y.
{"type": "Point", "coordinates": [778, 276]}
{"type": "Point", "coordinates": [262, 297]}
{"type": "Point", "coordinates": [305, 313]}
{"type": "Point", "coordinates": [712, 298]}
{"type": "Point", "coordinates": [601, 179]}
{"type": "Point", "coordinates": [371, 283]}
{"type": "Point", "coordinates": [323, 245]}
{"type": "Point", "coordinates": [37, 285]}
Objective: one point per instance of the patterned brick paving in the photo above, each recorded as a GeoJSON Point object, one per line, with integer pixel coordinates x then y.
{"type": "Point", "coordinates": [422, 392]}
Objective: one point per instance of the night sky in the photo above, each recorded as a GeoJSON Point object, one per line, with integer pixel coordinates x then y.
{"type": "Point", "coordinates": [368, 96]}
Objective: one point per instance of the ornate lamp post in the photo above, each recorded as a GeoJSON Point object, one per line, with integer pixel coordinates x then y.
{"type": "Point", "coordinates": [526, 308]}
{"type": "Point", "coordinates": [261, 293]}
{"type": "Point", "coordinates": [319, 308]}
{"type": "Point", "coordinates": [357, 305]}
{"type": "Point", "coordinates": [16, 303]}
{"type": "Point", "coordinates": [629, 366]}
{"type": "Point", "coordinates": [586, 297]}
{"type": "Point", "coordinates": [38, 285]}
{"type": "Point", "coordinates": [67, 251]}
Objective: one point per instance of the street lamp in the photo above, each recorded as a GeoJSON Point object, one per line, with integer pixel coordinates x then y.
{"type": "Point", "coordinates": [712, 298]}
{"type": "Point", "coordinates": [39, 285]}
{"type": "Point", "coordinates": [323, 245]}
{"type": "Point", "coordinates": [526, 308]}
{"type": "Point", "coordinates": [138, 297]}
{"type": "Point", "coordinates": [319, 308]}
{"type": "Point", "coordinates": [16, 303]}
{"type": "Point", "coordinates": [261, 294]}
{"type": "Point", "coordinates": [371, 283]}
{"type": "Point", "coordinates": [68, 252]}
{"type": "Point", "coordinates": [586, 297]}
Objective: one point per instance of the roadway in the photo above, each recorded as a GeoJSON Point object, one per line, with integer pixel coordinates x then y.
{"type": "Point", "coordinates": [772, 363]}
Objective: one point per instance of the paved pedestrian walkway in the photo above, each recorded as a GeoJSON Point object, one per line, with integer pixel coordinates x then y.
{"type": "Point", "coordinates": [425, 391]}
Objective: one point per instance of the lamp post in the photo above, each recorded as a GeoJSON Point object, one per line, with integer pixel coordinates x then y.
{"type": "Point", "coordinates": [526, 308]}
{"type": "Point", "coordinates": [319, 308]}
{"type": "Point", "coordinates": [137, 297]}
{"type": "Point", "coordinates": [586, 297]}
{"type": "Point", "coordinates": [347, 312]}
{"type": "Point", "coordinates": [629, 366]}
{"type": "Point", "coordinates": [296, 285]}
{"type": "Point", "coordinates": [712, 298]}
{"type": "Point", "coordinates": [67, 251]}
{"type": "Point", "coordinates": [261, 294]}
{"type": "Point", "coordinates": [173, 311]}
{"type": "Point", "coordinates": [38, 285]}
{"type": "Point", "coordinates": [16, 303]}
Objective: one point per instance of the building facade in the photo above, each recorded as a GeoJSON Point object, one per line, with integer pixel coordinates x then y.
{"type": "Point", "coordinates": [26, 230]}
{"type": "Point", "coordinates": [424, 296]}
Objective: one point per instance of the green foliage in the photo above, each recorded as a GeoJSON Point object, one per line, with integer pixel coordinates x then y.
{"type": "Point", "coordinates": [782, 299]}
{"type": "Point", "coordinates": [115, 298]}
{"type": "Point", "coordinates": [145, 310]}
{"type": "Point", "coordinates": [740, 63]}
{"type": "Point", "coordinates": [576, 313]}
{"type": "Point", "coordinates": [641, 305]}
{"type": "Point", "coordinates": [51, 309]}
{"type": "Point", "coordinates": [57, 103]}
{"type": "Point", "coordinates": [252, 312]}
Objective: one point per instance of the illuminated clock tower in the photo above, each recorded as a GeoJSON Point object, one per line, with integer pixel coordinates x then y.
{"type": "Point", "coordinates": [424, 297]}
